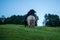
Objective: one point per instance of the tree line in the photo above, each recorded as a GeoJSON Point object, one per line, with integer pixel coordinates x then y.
{"type": "Point", "coordinates": [14, 19]}
{"type": "Point", "coordinates": [50, 19]}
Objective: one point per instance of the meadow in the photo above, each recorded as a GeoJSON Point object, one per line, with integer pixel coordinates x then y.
{"type": "Point", "coordinates": [19, 32]}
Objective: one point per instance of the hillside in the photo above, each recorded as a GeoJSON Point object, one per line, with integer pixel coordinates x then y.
{"type": "Point", "coordinates": [19, 32]}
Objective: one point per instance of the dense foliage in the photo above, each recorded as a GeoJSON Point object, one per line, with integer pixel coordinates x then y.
{"type": "Point", "coordinates": [13, 20]}
{"type": "Point", "coordinates": [52, 20]}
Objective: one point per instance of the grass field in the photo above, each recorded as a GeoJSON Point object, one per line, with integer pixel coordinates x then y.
{"type": "Point", "coordinates": [19, 32]}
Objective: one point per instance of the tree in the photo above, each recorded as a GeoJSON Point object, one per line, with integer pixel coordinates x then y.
{"type": "Point", "coordinates": [52, 20]}
{"type": "Point", "coordinates": [2, 19]}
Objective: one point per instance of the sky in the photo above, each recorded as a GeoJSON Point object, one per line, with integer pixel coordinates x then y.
{"type": "Point", "coordinates": [21, 7]}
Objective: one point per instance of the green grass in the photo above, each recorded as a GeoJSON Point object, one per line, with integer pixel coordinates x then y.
{"type": "Point", "coordinates": [19, 32]}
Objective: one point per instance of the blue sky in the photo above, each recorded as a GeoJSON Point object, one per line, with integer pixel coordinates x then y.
{"type": "Point", "coordinates": [21, 7]}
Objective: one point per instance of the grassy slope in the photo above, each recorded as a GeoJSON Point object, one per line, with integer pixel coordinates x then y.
{"type": "Point", "coordinates": [19, 32]}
